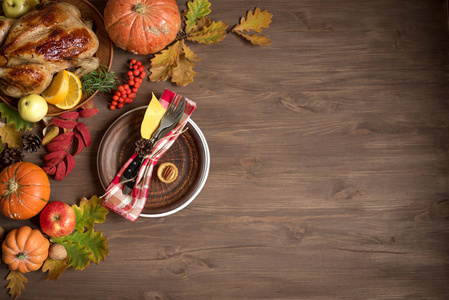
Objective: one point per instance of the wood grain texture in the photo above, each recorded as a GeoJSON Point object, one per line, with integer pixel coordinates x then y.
{"type": "Point", "coordinates": [329, 170]}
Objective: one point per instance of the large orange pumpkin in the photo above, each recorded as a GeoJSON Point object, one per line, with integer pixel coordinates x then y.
{"type": "Point", "coordinates": [24, 190]}
{"type": "Point", "coordinates": [142, 26]}
{"type": "Point", "coordinates": [25, 249]}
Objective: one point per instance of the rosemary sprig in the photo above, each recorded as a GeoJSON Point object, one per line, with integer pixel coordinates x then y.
{"type": "Point", "coordinates": [100, 80]}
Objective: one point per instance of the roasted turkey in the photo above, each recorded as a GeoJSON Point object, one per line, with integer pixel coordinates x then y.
{"type": "Point", "coordinates": [41, 43]}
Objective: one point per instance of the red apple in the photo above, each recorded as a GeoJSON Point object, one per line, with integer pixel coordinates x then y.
{"type": "Point", "coordinates": [57, 219]}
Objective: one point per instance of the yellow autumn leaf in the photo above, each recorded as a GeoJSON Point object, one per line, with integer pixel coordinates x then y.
{"type": "Point", "coordinates": [255, 21]}
{"type": "Point", "coordinates": [183, 72]}
{"type": "Point", "coordinates": [189, 53]}
{"type": "Point", "coordinates": [55, 268]}
{"type": "Point", "coordinates": [169, 56]}
{"type": "Point", "coordinates": [16, 283]}
{"type": "Point", "coordinates": [196, 10]}
{"type": "Point", "coordinates": [10, 136]}
{"type": "Point", "coordinates": [210, 34]}
{"type": "Point", "coordinates": [255, 39]}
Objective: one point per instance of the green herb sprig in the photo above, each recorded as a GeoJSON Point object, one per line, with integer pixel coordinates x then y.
{"type": "Point", "coordinates": [101, 80]}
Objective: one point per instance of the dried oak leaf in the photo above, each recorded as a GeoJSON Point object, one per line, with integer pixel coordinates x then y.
{"type": "Point", "coordinates": [175, 62]}
{"type": "Point", "coordinates": [12, 116]}
{"type": "Point", "coordinates": [16, 283]}
{"type": "Point", "coordinates": [10, 135]}
{"type": "Point", "coordinates": [254, 22]}
{"type": "Point", "coordinates": [183, 71]}
{"type": "Point", "coordinates": [196, 10]}
{"type": "Point", "coordinates": [210, 33]}
{"type": "Point", "coordinates": [55, 268]}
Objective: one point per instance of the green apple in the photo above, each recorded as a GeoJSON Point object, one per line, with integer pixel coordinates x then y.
{"type": "Point", "coordinates": [32, 108]}
{"type": "Point", "coordinates": [14, 9]}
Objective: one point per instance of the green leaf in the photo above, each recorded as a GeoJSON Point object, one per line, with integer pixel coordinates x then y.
{"type": "Point", "coordinates": [11, 136]}
{"type": "Point", "coordinates": [256, 21]}
{"type": "Point", "coordinates": [255, 39]}
{"type": "Point", "coordinates": [12, 117]}
{"type": "Point", "coordinates": [16, 283]}
{"type": "Point", "coordinates": [89, 212]}
{"type": "Point", "coordinates": [94, 242]}
{"type": "Point", "coordinates": [55, 268]}
{"type": "Point", "coordinates": [78, 254]}
{"type": "Point", "coordinates": [196, 10]}
{"type": "Point", "coordinates": [211, 34]}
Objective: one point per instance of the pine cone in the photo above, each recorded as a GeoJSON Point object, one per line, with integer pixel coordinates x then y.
{"type": "Point", "coordinates": [144, 147]}
{"type": "Point", "coordinates": [10, 156]}
{"type": "Point", "coordinates": [31, 142]}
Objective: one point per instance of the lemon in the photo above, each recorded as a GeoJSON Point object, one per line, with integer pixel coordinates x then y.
{"type": "Point", "coordinates": [74, 94]}
{"type": "Point", "coordinates": [58, 89]}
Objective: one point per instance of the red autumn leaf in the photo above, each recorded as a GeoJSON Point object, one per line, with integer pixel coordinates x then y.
{"type": "Point", "coordinates": [70, 160]}
{"type": "Point", "coordinates": [88, 105]}
{"type": "Point", "coordinates": [85, 133]}
{"type": "Point", "coordinates": [67, 124]}
{"type": "Point", "coordinates": [60, 171]}
{"type": "Point", "coordinates": [50, 170]}
{"type": "Point", "coordinates": [80, 143]}
{"type": "Point", "coordinates": [86, 113]}
{"type": "Point", "coordinates": [58, 145]}
{"type": "Point", "coordinates": [54, 155]}
{"type": "Point", "coordinates": [66, 136]}
{"type": "Point", "coordinates": [70, 115]}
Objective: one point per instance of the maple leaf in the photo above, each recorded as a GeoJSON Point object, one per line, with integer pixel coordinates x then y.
{"type": "Point", "coordinates": [256, 39]}
{"type": "Point", "coordinates": [55, 268]}
{"type": "Point", "coordinates": [12, 117]}
{"type": "Point", "coordinates": [196, 10]}
{"type": "Point", "coordinates": [16, 283]}
{"type": "Point", "coordinates": [10, 135]}
{"type": "Point", "coordinates": [89, 212]}
{"type": "Point", "coordinates": [256, 21]}
{"type": "Point", "coordinates": [209, 34]}
{"type": "Point", "coordinates": [79, 256]}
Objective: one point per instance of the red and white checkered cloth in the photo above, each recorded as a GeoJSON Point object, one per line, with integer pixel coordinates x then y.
{"type": "Point", "coordinates": [130, 206]}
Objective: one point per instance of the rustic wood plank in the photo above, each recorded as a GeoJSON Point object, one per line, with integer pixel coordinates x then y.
{"type": "Point", "coordinates": [329, 165]}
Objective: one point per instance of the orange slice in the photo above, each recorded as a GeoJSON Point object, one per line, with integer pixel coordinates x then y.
{"type": "Point", "coordinates": [58, 89]}
{"type": "Point", "coordinates": [74, 94]}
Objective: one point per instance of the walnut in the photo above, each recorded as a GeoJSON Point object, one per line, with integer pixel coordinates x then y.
{"type": "Point", "coordinates": [57, 252]}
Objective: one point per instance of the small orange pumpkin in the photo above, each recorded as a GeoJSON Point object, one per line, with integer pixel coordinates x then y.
{"type": "Point", "coordinates": [24, 190]}
{"type": "Point", "coordinates": [25, 249]}
{"type": "Point", "coordinates": [142, 26]}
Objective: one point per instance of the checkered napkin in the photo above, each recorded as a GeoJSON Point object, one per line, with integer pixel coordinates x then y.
{"type": "Point", "coordinates": [130, 206]}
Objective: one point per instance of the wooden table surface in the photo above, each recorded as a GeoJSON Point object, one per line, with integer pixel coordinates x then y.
{"type": "Point", "coordinates": [329, 175]}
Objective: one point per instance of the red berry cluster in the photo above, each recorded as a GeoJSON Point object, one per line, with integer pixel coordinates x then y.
{"type": "Point", "coordinates": [127, 92]}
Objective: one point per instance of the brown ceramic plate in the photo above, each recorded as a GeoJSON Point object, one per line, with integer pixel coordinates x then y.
{"type": "Point", "coordinates": [189, 153]}
{"type": "Point", "coordinates": [104, 52]}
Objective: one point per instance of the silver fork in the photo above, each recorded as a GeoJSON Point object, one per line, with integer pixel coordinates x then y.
{"type": "Point", "coordinates": [169, 120]}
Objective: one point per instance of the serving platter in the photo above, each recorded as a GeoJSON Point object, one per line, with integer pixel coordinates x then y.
{"type": "Point", "coordinates": [104, 52]}
{"type": "Point", "coordinates": [190, 153]}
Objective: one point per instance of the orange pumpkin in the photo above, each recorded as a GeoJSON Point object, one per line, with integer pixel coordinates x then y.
{"type": "Point", "coordinates": [24, 190]}
{"type": "Point", "coordinates": [25, 249]}
{"type": "Point", "coordinates": [142, 26]}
